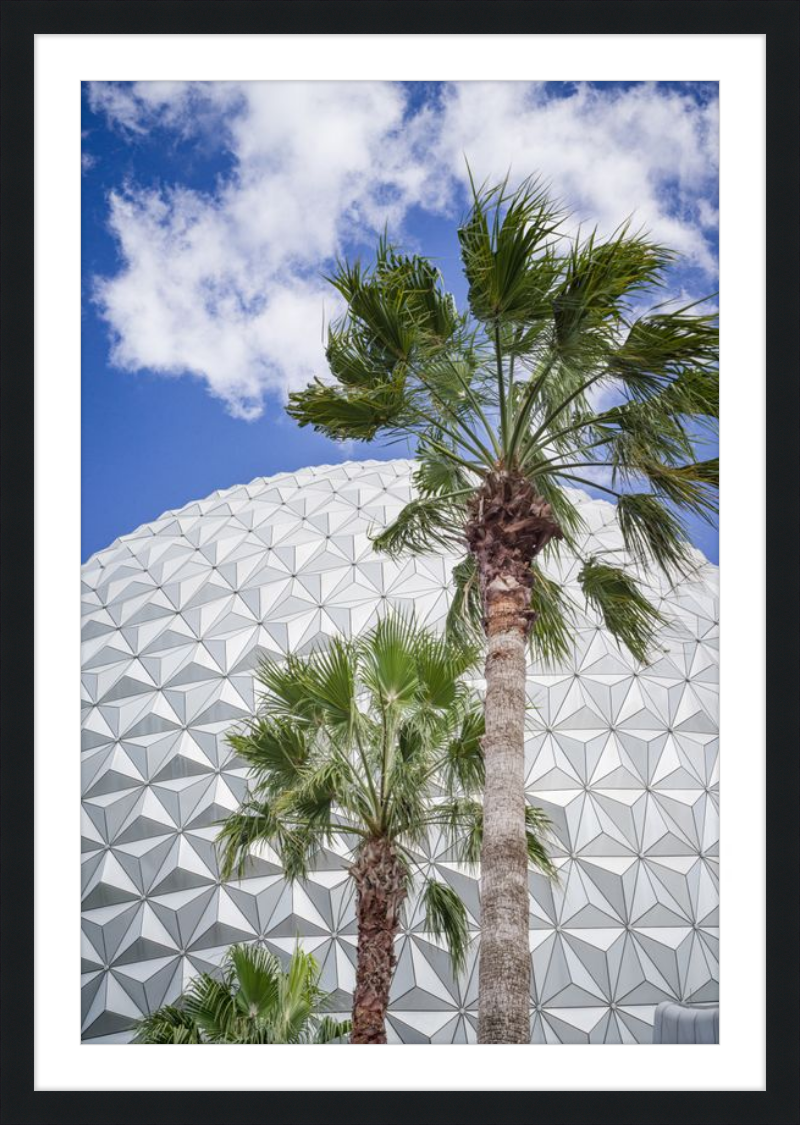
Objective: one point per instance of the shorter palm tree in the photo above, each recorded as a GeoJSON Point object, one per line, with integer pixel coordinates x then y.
{"type": "Point", "coordinates": [252, 1001]}
{"type": "Point", "coordinates": [370, 746]}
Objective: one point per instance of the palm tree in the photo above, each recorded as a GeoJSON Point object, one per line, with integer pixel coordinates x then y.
{"type": "Point", "coordinates": [503, 403]}
{"type": "Point", "coordinates": [253, 1001]}
{"type": "Point", "coordinates": [371, 745]}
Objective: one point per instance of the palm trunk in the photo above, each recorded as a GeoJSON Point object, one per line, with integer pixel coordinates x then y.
{"type": "Point", "coordinates": [504, 968]}
{"type": "Point", "coordinates": [509, 525]}
{"type": "Point", "coordinates": [381, 888]}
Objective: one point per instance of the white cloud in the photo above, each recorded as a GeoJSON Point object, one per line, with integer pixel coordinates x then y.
{"type": "Point", "coordinates": [641, 152]}
{"type": "Point", "coordinates": [87, 160]}
{"type": "Point", "coordinates": [225, 285]}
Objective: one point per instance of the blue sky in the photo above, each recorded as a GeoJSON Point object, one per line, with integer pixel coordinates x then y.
{"type": "Point", "coordinates": [210, 212]}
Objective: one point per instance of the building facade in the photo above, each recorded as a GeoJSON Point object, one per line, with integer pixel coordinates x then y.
{"type": "Point", "coordinates": [623, 758]}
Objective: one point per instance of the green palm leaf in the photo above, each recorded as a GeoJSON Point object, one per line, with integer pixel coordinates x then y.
{"type": "Point", "coordinates": [537, 830]}
{"type": "Point", "coordinates": [626, 612]}
{"type": "Point", "coordinates": [506, 247]}
{"type": "Point", "coordinates": [275, 749]}
{"type": "Point", "coordinates": [251, 1000]}
{"type": "Point", "coordinates": [464, 761]}
{"type": "Point", "coordinates": [652, 533]}
{"type": "Point", "coordinates": [169, 1024]}
{"type": "Point", "coordinates": [552, 630]}
{"type": "Point", "coordinates": [464, 622]}
{"type": "Point", "coordinates": [253, 823]}
{"type": "Point", "coordinates": [446, 917]}
{"type": "Point", "coordinates": [427, 521]}
{"type": "Point", "coordinates": [329, 1030]}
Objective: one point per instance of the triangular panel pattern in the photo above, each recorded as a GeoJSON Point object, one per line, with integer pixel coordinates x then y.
{"type": "Point", "coordinates": [624, 759]}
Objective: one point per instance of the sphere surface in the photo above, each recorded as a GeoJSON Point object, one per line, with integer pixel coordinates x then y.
{"type": "Point", "coordinates": [622, 757]}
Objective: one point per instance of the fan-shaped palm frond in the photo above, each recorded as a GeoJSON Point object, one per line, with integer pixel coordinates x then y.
{"type": "Point", "coordinates": [465, 614]}
{"type": "Point", "coordinates": [464, 765]}
{"type": "Point", "coordinates": [510, 263]}
{"type": "Point", "coordinates": [446, 917]}
{"type": "Point", "coordinates": [625, 611]}
{"type": "Point", "coordinates": [537, 831]}
{"type": "Point", "coordinates": [552, 630]}
{"type": "Point", "coordinates": [253, 1000]}
{"type": "Point", "coordinates": [425, 522]}
{"type": "Point", "coordinates": [652, 533]}
{"type": "Point", "coordinates": [169, 1024]}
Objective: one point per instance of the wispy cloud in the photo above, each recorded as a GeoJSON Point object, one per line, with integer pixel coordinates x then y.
{"type": "Point", "coordinates": [87, 160]}
{"type": "Point", "coordinates": [643, 152]}
{"type": "Point", "coordinates": [225, 285]}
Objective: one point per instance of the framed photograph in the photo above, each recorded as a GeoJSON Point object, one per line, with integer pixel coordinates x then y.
{"type": "Point", "coordinates": [364, 433]}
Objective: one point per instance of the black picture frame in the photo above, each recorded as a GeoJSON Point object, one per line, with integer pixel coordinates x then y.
{"type": "Point", "coordinates": [779, 21]}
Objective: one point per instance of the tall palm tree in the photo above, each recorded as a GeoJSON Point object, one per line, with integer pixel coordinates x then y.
{"type": "Point", "coordinates": [253, 1001]}
{"type": "Point", "coordinates": [371, 745]}
{"type": "Point", "coordinates": [503, 403]}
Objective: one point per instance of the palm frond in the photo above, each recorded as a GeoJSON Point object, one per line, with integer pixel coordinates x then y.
{"type": "Point", "coordinates": [537, 829]}
{"type": "Point", "coordinates": [322, 786]}
{"type": "Point", "coordinates": [507, 251]}
{"type": "Point", "coordinates": [388, 660]}
{"type": "Point", "coordinates": [251, 824]}
{"type": "Point", "coordinates": [432, 521]}
{"type": "Point", "coordinates": [693, 488]}
{"type": "Point", "coordinates": [416, 286]}
{"type": "Point", "coordinates": [251, 999]}
{"type": "Point", "coordinates": [441, 667]}
{"type": "Point", "coordinates": [636, 433]}
{"type": "Point", "coordinates": [626, 612]}
{"type": "Point", "coordinates": [298, 994]}
{"type": "Point", "coordinates": [257, 973]}
{"type": "Point", "coordinates": [350, 413]}
{"type": "Point", "coordinates": [460, 819]}
{"type": "Point", "coordinates": [329, 1030]}
{"type": "Point", "coordinates": [408, 798]}
{"type": "Point", "coordinates": [551, 634]}
{"type": "Point", "coordinates": [464, 623]}
{"type": "Point", "coordinates": [600, 278]}
{"type": "Point", "coordinates": [661, 347]}
{"type": "Point", "coordinates": [274, 749]}
{"type": "Point", "coordinates": [446, 917]}
{"type": "Point", "coordinates": [329, 684]}
{"type": "Point", "coordinates": [169, 1024]}
{"type": "Point", "coordinates": [652, 533]}
{"type": "Point", "coordinates": [356, 362]}
{"type": "Point", "coordinates": [565, 510]}
{"type": "Point", "coordinates": [299, 845]}
{"type": "Point", "coordinates": [399, 306]}
{"type": "Point", "coordinates": [694, 393]}
{"type": "Point", "coordinates": [210, 1003]}
{"type": "Point", "coordinates": [284, 695]}
{"type": "Point", "coordinates": [464, 764]}
{"type": "Point", "coordinates": [437, 475]}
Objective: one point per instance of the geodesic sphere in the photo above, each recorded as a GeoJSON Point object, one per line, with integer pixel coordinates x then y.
{"type": "Point", "coordinates": [622, 757]}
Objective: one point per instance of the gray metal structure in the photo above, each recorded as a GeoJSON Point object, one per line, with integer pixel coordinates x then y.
{"type": "Point", "coordinates": [622, 757]}
{"type": "Point", "coordinates": [682, 1023]}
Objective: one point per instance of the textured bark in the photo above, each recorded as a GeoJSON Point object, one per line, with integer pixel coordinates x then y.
{"type": "Point", "coordinates": [380, 890]}
{"type": "Point", "coordinates": [509, 525]}
{"type": "Point", "coordinates": [504, 968]}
